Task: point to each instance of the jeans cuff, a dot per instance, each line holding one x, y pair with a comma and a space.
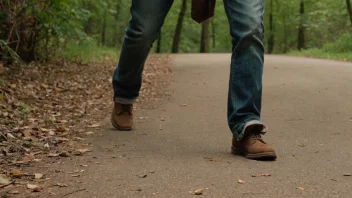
124, 100
243, 127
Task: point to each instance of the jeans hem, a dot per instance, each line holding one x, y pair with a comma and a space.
124, 100
240, 132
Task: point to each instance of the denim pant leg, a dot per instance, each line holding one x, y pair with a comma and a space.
245, 85
147, 18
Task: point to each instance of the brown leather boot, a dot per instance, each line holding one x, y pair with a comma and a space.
252, 146
122, 117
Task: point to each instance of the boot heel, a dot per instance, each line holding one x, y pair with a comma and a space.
236, 151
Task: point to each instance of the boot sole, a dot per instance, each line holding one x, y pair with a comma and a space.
257, 156
116, 126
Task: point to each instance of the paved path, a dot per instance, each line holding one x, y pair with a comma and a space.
307, 106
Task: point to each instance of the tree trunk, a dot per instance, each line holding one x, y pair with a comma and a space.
89, 23
116, 38
349, 8
177, 35
301, 27
103, 29
285, 34
204, 46
271, 36
213, 32
158, 46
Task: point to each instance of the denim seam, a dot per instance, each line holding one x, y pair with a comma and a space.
239, 132
125, 100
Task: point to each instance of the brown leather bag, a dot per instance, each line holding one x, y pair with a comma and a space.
202, 10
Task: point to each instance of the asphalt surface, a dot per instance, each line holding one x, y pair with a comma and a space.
184, 144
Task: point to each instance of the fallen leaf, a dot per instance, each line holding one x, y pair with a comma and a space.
16, 173
51, 133
300, 188
197, 192
15, 192
137, 189
240, 181
153, 171
2, 138
61, 185
142, 176
75, 175
81, 151
94, 126
46, 146
34, 188
261, 175
10, 136
347, 174
4, 180
38, 176
61, 129
53, 155
64, 154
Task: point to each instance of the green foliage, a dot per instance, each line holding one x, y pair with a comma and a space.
88, 52
35, 29
78, 30
340, 49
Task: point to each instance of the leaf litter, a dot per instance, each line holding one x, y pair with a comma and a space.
45, 108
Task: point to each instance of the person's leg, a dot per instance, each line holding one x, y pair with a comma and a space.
245, 85
147, 18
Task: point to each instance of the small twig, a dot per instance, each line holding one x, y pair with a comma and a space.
3, 186
70, 193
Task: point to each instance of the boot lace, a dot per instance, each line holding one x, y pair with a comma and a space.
256, 138
126, 108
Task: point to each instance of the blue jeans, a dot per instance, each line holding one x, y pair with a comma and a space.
245, 85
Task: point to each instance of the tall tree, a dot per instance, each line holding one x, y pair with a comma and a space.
301, 27
158, 45
271, 36
349, 8
213, 32
116, 17
104, 27
177, 35
204, 43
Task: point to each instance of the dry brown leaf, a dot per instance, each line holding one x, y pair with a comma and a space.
197, 192
261, 175
142, 176
53, 155
34, 188
81, 151
61, 185
51, 133
62, 129
14, 192
16, 173
4, 180
64, 154
300, 188
94, 126
240, 181
38, 176
347, 174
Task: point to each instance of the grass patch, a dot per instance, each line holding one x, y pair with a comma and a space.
341, 49
321, 53
87, 52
